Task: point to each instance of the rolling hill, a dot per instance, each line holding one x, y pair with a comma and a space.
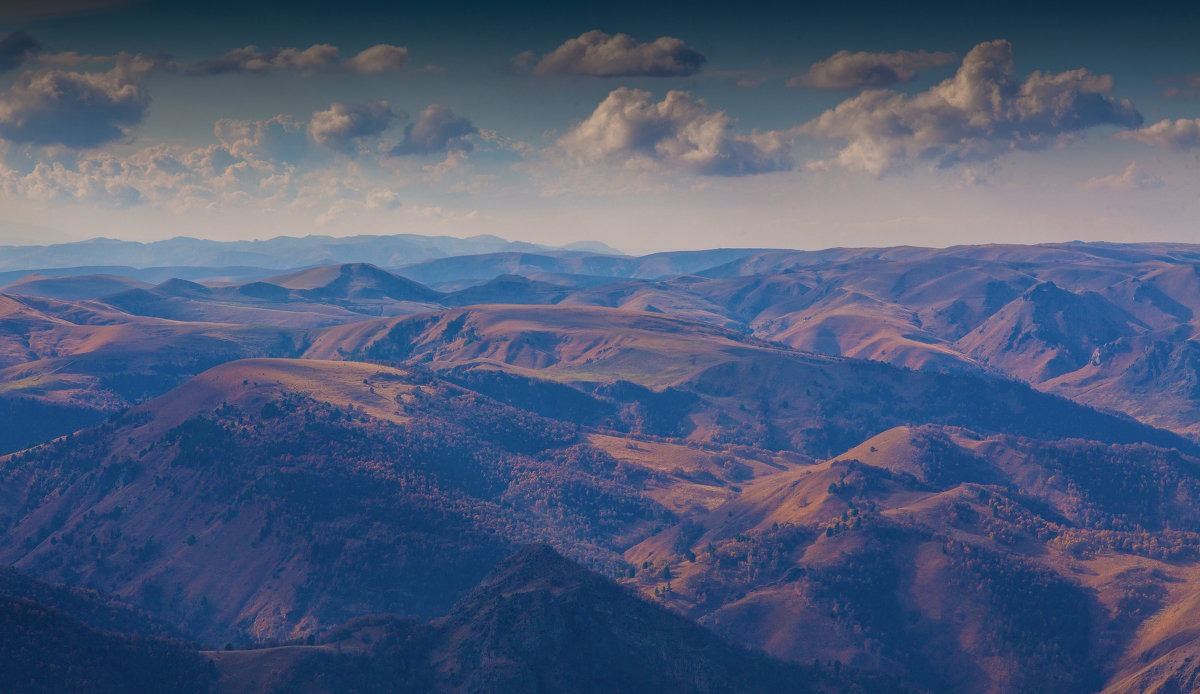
72, 287
269, 464
717, 385
971, 469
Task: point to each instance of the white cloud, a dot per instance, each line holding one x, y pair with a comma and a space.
846, 70
980, 113
379, 58
597, 54
1133, 178
1170, 135
342, 125
628, 128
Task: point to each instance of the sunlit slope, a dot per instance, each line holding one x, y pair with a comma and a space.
965, 562
720, 385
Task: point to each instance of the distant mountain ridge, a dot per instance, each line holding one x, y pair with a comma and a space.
282, 252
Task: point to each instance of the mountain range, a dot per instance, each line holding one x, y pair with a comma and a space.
972, 469
278, 252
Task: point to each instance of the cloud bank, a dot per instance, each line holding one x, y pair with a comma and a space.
980, 113
272, 162
597, 54
322, 56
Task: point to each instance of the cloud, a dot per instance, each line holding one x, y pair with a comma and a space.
597, 54
322, 56
1167, 134
252, 59
268, 164
16, 48
846, 70
979, 114
19, 48
379, 58
628, 128
437, 129
55, 107
253, 162
382, 199
342, 125
179, 177
278, 139
1133, 178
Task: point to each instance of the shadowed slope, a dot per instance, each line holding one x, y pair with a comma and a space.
539, 623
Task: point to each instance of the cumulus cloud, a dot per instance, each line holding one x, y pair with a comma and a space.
846, 70
978, 114
322, 56
629, 128
379, 58
343, 125
437, 129
56, 107
1170, 135
597, 54
1133, 178
16, 48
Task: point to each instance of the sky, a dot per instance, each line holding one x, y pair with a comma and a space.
647, 126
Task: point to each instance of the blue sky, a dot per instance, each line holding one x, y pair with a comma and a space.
645, 126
